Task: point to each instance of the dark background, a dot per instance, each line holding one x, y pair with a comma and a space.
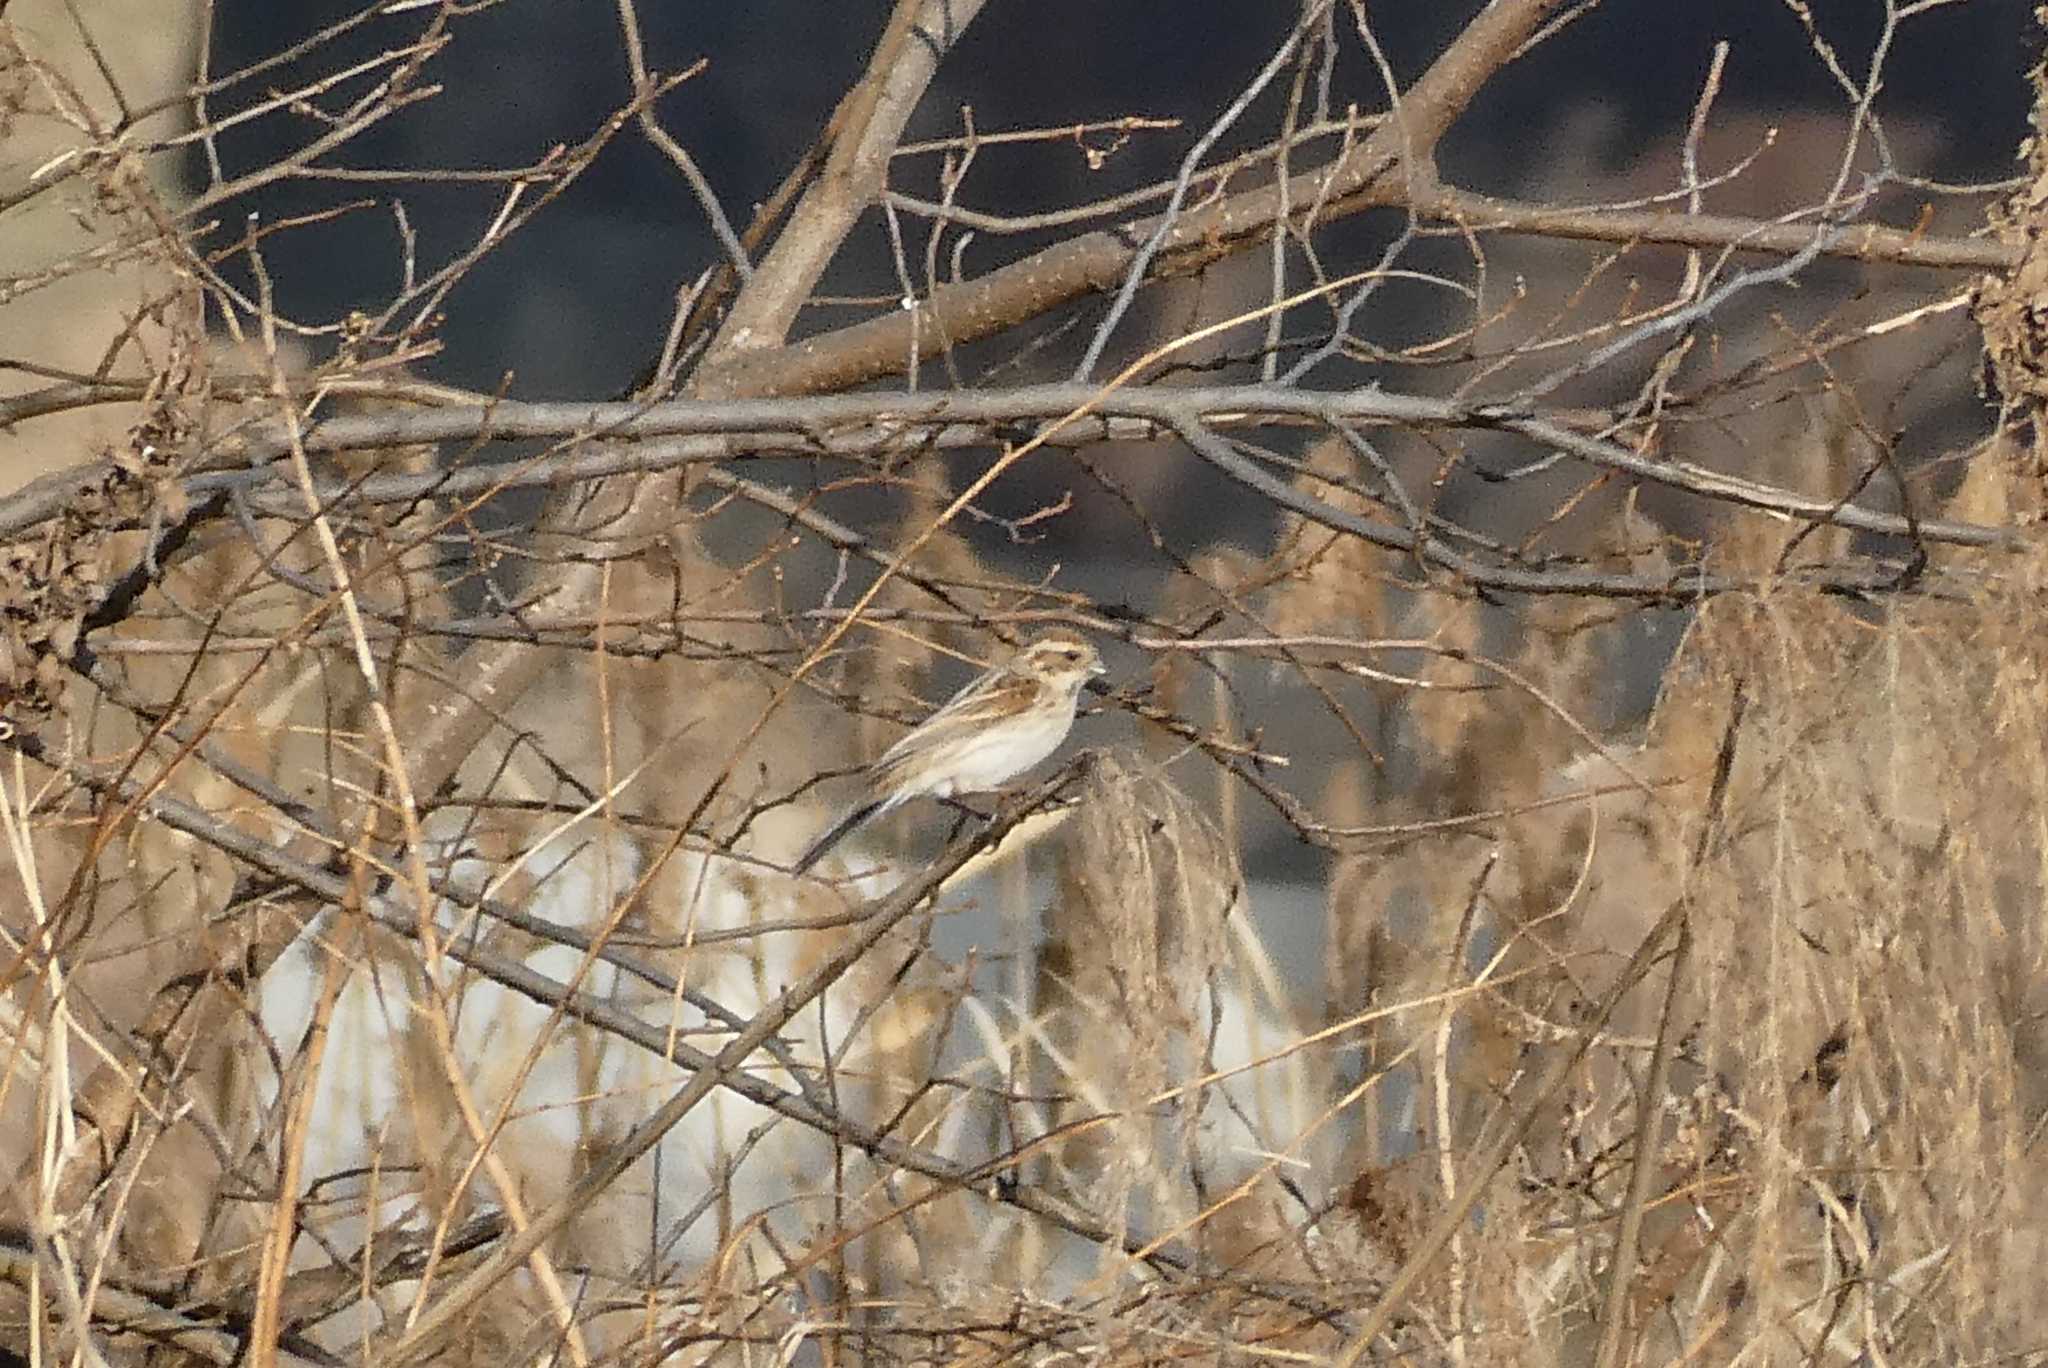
575, 305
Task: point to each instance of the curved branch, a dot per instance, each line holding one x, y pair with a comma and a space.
856, 424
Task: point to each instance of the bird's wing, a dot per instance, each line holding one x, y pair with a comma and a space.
954, 707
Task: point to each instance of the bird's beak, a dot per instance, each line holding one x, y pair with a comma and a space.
1098, 669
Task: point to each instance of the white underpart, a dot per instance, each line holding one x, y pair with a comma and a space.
991, 761
996, 756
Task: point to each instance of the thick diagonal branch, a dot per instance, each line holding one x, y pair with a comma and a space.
920, 33
1096, 262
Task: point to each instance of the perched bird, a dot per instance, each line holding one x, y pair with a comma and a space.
1008, 719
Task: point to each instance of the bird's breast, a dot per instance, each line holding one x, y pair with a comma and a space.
992, 760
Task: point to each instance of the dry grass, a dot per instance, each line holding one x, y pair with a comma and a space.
1837, 1154
1714, 1040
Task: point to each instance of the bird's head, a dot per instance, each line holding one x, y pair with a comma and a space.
1061, 660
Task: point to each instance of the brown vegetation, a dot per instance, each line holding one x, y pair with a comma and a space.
1634, 663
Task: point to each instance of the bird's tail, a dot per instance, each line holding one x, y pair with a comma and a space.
838, 831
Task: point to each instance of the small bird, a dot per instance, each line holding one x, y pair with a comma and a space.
1005, 721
